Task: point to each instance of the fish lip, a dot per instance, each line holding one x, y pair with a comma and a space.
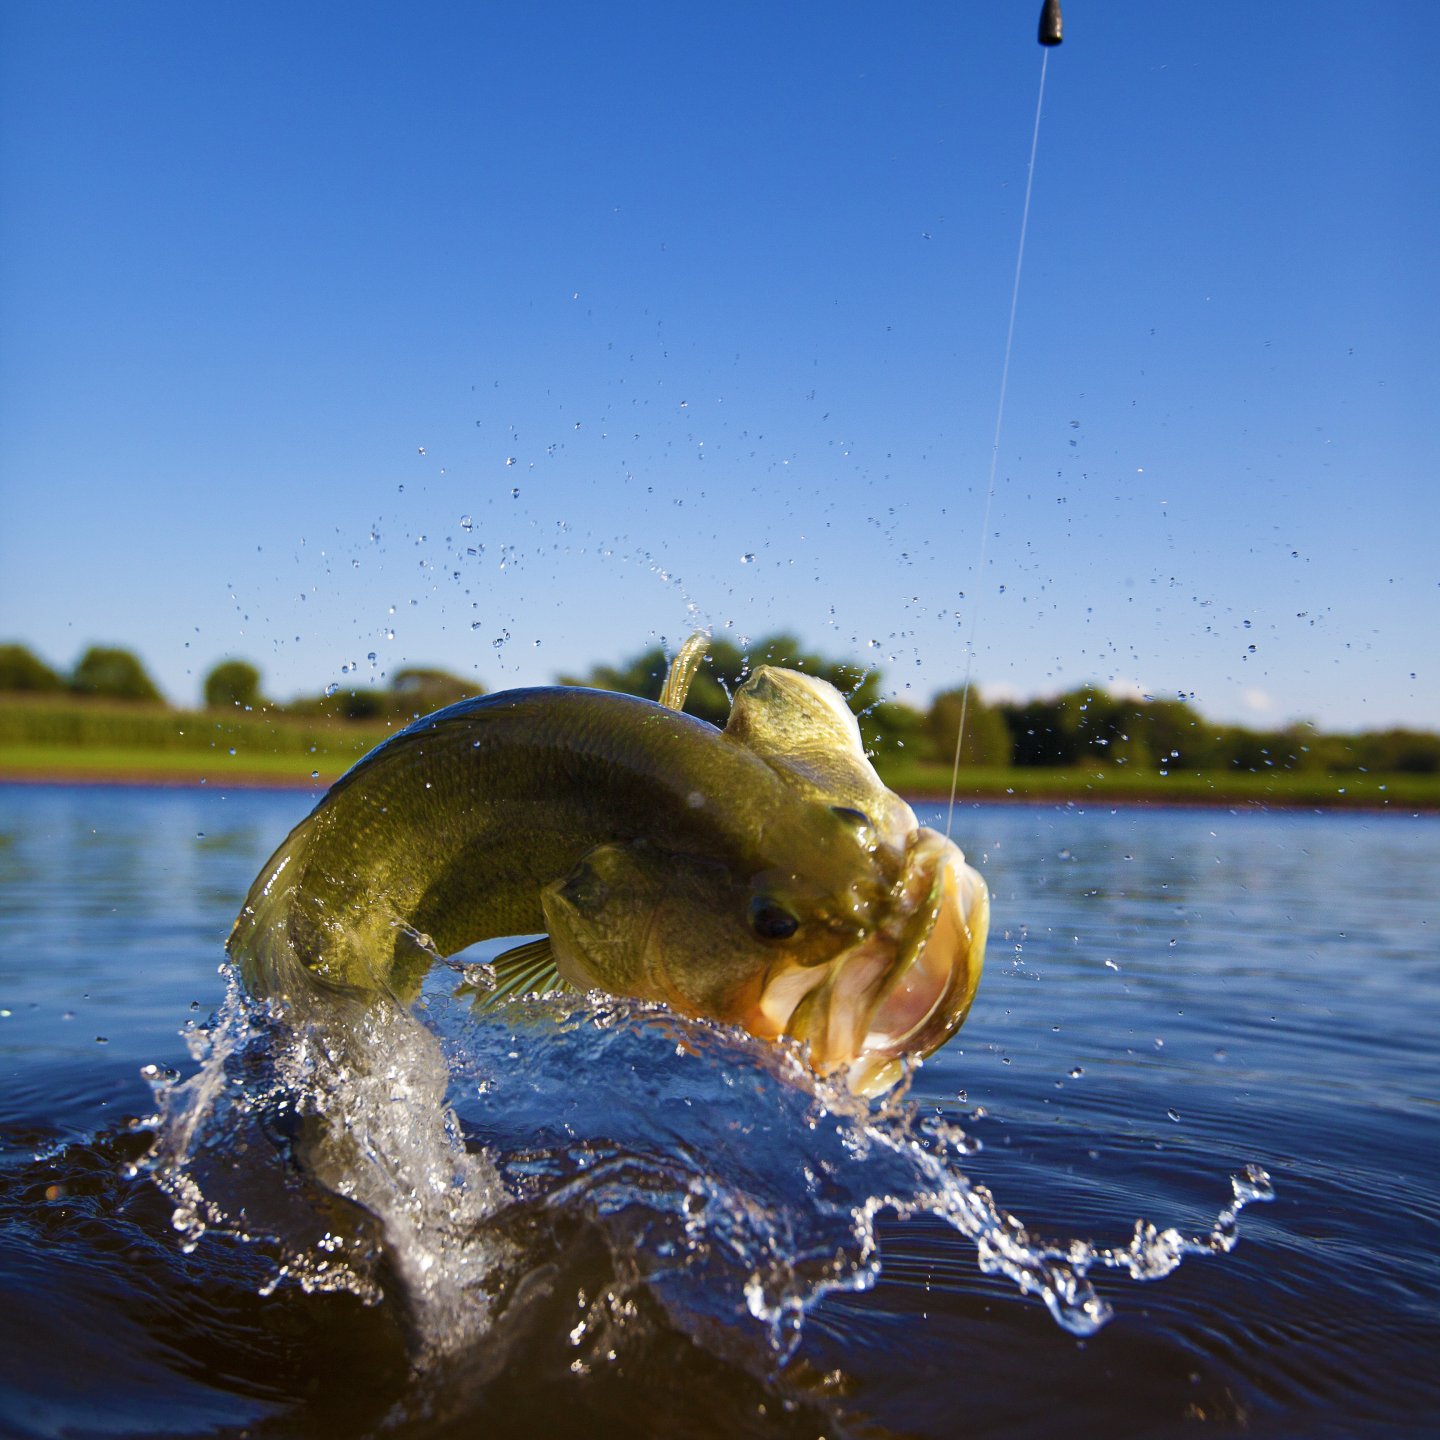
929, 988
903, 990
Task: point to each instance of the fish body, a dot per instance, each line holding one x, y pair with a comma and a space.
759, 875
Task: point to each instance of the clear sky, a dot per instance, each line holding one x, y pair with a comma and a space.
511, 337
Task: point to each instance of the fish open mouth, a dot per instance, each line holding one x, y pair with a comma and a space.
903, 991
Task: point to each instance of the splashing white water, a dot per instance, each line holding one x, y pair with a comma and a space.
727, 1180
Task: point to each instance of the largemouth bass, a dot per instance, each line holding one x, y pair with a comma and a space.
760, 875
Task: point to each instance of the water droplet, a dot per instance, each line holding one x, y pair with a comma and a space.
748, 558
466, 523
332, 688
1076, 1072
1174, 1115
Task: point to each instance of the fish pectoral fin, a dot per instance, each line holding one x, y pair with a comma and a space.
525, 969
682, 671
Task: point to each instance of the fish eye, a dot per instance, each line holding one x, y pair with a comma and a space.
855, 817
770, 920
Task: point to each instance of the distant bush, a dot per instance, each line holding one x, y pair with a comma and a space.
418, 690
415, 690
1396, 752
22, 670
987, 737
892, 729
233, 684
115, 674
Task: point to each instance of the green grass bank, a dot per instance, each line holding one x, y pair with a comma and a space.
77, 742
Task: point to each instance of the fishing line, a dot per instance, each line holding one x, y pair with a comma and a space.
999, 424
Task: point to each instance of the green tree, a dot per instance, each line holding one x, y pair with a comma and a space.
113, 673
413, 691
22, 669
891, 727
233, 683
1410, 752
1176, 735
987, 736
1088, 725
1057, 731
417, 689
1257, 751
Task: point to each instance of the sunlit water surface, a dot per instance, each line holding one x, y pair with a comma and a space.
599, 1218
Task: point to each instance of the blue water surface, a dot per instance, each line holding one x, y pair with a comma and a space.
1170, 995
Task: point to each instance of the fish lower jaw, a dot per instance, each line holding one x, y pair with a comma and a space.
933, 985
902, 992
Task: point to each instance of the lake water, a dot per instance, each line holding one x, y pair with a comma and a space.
623, 1225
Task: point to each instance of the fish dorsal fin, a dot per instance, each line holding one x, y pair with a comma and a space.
522, 970
803, 729
796, 721
682, 671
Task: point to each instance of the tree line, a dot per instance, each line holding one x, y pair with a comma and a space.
107, 672
1084, 727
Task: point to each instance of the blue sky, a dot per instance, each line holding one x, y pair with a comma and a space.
512, 337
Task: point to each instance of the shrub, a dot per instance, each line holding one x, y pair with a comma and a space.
117, 674
233, 683
22, 669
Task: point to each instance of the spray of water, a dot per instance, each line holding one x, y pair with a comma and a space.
729, 1183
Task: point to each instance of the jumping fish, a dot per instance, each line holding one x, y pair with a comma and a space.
760, 875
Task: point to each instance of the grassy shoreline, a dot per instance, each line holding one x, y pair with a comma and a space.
315, 768
69, 741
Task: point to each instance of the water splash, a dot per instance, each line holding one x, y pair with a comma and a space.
727, 1183
335, 1142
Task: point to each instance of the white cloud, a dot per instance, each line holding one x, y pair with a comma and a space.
1000, 693
1123, 689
